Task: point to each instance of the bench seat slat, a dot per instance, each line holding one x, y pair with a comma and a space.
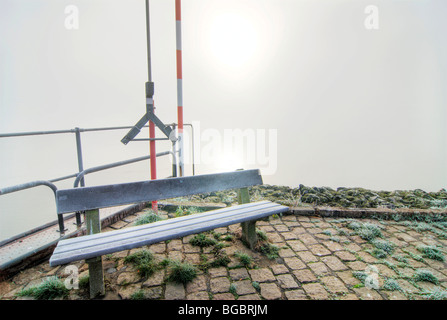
115, 241
99, 239
65, 244
152, 228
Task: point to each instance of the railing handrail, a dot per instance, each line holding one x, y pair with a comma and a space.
79, 176
35, 133
28, 185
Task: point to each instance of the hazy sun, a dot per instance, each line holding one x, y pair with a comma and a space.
233, 39
229, 162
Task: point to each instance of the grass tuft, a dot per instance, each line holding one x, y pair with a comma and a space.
202, 240
431, 252
233, 290
369, 231
147, 217
244, 258
354, 225
360, 275
270, 251
138, 295
182, 272
49, 289
144, 262
379, 253
261, 235
180, 211
435, 294
391, 285
386, 246
425, 275
221, 260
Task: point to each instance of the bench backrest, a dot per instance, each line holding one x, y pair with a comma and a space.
88, 198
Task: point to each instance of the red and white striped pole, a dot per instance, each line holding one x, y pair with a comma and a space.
150, 105
178, 32
153, 158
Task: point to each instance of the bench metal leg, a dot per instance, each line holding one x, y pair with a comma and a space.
249, 236
95, 270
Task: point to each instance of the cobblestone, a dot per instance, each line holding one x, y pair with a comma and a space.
262, 275
270, 291
311, 265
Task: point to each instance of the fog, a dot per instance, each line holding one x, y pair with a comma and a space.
316, 97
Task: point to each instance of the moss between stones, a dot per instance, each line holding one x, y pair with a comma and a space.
341, 197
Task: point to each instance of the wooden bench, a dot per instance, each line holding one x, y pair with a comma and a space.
95, 244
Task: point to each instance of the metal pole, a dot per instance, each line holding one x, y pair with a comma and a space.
150, 104
192, 148
174, 158
178, 32
148, 35
80, 167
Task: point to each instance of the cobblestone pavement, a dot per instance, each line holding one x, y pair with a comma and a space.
319, 258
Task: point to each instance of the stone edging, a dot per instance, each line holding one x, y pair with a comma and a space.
364, 212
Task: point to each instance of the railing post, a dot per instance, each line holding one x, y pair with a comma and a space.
60, 220
80, 167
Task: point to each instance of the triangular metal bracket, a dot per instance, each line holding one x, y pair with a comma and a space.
149, 116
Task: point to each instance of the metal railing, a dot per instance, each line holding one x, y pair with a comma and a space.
79, 176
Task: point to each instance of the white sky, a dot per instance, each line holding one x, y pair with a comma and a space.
351, 106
